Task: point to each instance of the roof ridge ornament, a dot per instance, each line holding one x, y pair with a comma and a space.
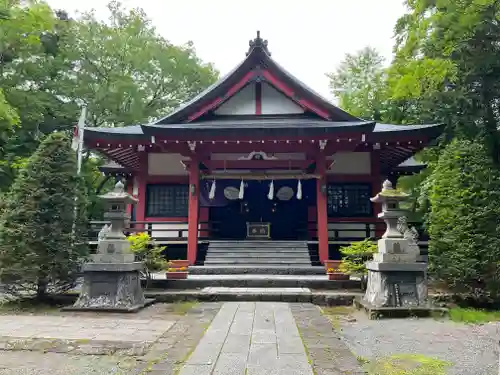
258, 42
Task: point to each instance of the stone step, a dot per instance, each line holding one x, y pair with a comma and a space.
257, 255
270, 261
259, 249
328, 298
257, 244
256, 281
261, 269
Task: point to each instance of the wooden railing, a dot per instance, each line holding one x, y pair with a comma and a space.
160, 231
172, 231
349, 231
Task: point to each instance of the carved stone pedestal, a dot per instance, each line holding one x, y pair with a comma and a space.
114, 287
396, 285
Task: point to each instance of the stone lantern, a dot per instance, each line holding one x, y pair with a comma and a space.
395, 278
112, 279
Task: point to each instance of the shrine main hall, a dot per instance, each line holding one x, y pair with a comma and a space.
258, 156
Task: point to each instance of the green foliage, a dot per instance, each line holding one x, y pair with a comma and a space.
50, 64
359, 84
447, 64
464, 246
356, 255
43, 223
408, 364
127, 72
146, 251
473, 316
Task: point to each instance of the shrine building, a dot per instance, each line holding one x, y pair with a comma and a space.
259, 155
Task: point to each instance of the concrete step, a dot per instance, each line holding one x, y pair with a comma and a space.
261, 269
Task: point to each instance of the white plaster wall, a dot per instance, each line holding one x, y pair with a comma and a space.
352, 230
275, 103
278, 155
243, 103
159, 230
166, 164
350, 163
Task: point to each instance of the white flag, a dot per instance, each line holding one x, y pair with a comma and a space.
77, 143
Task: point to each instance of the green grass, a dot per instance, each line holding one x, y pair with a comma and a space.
470, 315
408, 364
336, 313
181, 308
28, 306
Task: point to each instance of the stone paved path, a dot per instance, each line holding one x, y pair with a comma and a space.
250, 339
69, 328
107, 344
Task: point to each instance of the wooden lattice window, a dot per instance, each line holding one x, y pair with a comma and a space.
167, 200
349, 200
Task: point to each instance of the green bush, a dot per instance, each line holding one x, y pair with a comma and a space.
146, 251
464, 229
43, 223
356, 255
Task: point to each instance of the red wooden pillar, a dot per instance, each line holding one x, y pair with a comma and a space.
376, 187
193, 213
142, 181
321, 205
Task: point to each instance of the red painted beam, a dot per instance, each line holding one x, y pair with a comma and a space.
256, 164
304, 103
215, 103
258, 98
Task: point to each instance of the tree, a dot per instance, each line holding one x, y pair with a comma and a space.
464, 246
447, 65
42, 232
50, 65
30, 72
126, 72
359, 84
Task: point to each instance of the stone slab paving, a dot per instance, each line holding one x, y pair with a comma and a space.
248, 338
67, 327
173, 338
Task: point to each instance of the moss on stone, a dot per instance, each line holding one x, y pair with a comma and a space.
408, 364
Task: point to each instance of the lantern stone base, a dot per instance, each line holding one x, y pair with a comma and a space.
113, 287
396, 286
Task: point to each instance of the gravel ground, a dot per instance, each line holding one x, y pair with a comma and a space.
472, 349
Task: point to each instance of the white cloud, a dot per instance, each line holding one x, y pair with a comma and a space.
308, 38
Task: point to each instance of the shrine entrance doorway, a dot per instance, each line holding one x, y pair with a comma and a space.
285, 215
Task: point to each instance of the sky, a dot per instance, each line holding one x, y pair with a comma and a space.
308, 38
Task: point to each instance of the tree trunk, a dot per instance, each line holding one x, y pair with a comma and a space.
41, 290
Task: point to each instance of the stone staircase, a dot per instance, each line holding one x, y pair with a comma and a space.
293, 254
